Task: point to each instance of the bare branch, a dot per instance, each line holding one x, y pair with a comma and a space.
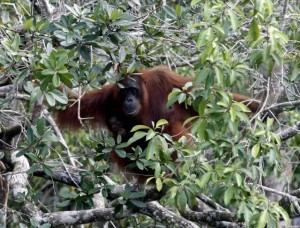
72, 177
161, 214
18, 181
16, 96
290, 132
185, 62
48, 7
212, 203
9, 88
212, 217
291, 198
275, 109
80, 217
4, 190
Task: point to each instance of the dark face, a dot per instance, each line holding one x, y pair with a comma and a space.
116, 126
131, 97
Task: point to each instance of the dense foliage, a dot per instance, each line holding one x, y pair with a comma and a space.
251, 47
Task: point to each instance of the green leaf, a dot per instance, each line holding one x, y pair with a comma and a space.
73, 11
295, 73
241, 106
219, 76
150, 134
270, 122
260, 132
228, 170
48, 170
228, 195
160, 123
131, 68
32, 169
28, 24
136, 195
173, 191
121, 153
195, 2
20, 78
233, 19
79, 26
122, 54
137, 136
284, 214
158, 184
114, 14
263, 219
49, 63
139, 127
50, 99
93, 191
33, 157
138, 203
66, 79
204, 180
48, 72
181, 200
201, 108
178, 10
56, 80
85, 52
59, 96
157, 170
63, 59
172, 98
151, 148
254, 31
232, 113
181, 98
30, 136
40, 125
239, 179
255, 150
16, 43
49, 136
201, 131
45, 225
170, 11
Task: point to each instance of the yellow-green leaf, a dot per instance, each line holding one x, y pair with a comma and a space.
263, 219
158, 184
255, 150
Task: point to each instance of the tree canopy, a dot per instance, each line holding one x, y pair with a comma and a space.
240, 170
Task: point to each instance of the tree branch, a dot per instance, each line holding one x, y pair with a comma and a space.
161, 214
48, 7
278, 108
290, 132
214, 218
61, 175
212, 203
19, 178
80, 217
4, 190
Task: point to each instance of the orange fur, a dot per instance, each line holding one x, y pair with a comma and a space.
155, 84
